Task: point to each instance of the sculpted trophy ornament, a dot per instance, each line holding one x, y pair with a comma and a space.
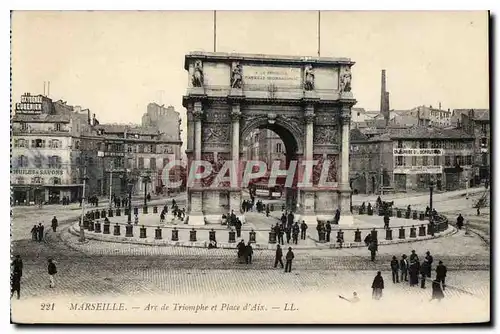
345, 81
308, 78
236, 76
197, 78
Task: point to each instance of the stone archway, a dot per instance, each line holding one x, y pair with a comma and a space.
307, 101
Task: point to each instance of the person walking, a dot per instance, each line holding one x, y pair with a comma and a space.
52, 270
295, 233
34, 233
248, 253
279, 232
40, 231
54, 224
460, 221
395, 270
288, 231
424, 269
403, 266
373, 249
278, 257
289, 258
441, 273
429, 259
328, 228
377, 286
17, 273
303, 229
413, 271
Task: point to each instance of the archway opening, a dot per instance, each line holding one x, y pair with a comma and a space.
274, 145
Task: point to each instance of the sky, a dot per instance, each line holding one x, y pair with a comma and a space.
115, 63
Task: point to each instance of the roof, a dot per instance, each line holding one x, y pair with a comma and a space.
41, 118
131, 129
357, 135
420, 132
479, 114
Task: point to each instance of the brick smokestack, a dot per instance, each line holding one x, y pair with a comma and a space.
384, 99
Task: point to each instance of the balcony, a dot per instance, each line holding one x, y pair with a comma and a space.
18, 131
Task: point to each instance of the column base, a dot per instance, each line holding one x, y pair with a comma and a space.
213, 219
326, 217
196, 219
346, 220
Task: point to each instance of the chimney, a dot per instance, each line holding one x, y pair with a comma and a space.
382, 93
88, 117
439, 105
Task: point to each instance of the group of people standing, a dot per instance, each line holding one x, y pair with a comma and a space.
37, 232
178, 213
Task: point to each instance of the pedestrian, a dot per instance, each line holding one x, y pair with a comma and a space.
288, 230
162, 216
241, 251
441, 273
267, 210
460, 221
386, 221
34, 233
429, 259
52, 270
414, 256
289, 258
413, 271
437, 292
403, 266
237, 225
395, 270
303, 229
40, 231
295, 233
17, 273
424, 268
377, 286
280, 232
54, 223
248, 253
278, 257
328, 228
337, 217
373, 249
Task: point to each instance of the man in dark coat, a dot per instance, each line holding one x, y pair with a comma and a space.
290, 218
54, 223
283, 218
295, 233
386, 221
377, 286
248, 253
17, 273
40, 232
328, 228
373, 249
238, 228
241, 250
395, 270
429, 259
368, 239
403, 265
337, 217
441, 273
460, 221
278, 257
34, 233
279, 232
289, 258
267, 210
52, 270
303, 229
414, 256
288, 231
413, 271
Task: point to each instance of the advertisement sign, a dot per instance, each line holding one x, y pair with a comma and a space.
418, 170
417, 152
30, 104
37, 171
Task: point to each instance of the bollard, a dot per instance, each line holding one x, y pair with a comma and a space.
116, 230
413, 232
155, 209
232, 237
136, 211
211, 235
357, 235
252, 237
142, 232
388, 234
401, 232
91, 226
407, 214
97, 214
421, 216
272, 237
118, 212
158, 233
175, 234
399, 214
322, 236
145, 210
106, 228
103, 213
110, 213
370, 211
97, 227
415, 215
85, 224
192, 235
126, 211
129, 230
374, 233
421, 231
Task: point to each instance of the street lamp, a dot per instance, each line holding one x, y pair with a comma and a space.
130, 186
82, 230
146, 178
431, 189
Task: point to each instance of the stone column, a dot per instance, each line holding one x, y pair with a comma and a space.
235, 192
195, 216
344, 191
307, 208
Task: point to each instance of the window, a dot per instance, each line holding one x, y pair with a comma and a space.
165, 162
413, 161
152, 163
130, 163
56, 180
399, 161
447, 160
140, 148
152, 148
22, 161
39, 143
400, 144
129, 148
36, 180
437, 160
118, 162
279, 148
77, 145
24, 126
484, 128
425, 161
140, 163
413, 144
91, 161
38, 162
484, 142
423, 144
20, 180
55, 162
58, 126
55, 143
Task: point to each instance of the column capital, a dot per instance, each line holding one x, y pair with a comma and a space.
345, 115
309, 117
197, 115
235, 112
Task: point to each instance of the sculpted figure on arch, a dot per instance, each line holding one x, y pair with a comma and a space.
345, 80
308, 77
198, 74
236, 76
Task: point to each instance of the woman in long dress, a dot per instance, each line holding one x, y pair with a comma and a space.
377, 286
413, 273
437, 291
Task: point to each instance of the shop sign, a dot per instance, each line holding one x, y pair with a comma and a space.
37, 171
418, 170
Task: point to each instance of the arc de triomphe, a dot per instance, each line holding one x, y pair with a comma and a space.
307, 101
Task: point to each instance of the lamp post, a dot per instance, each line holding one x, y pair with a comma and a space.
146, 178
130, 186
431, 189
82, 230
